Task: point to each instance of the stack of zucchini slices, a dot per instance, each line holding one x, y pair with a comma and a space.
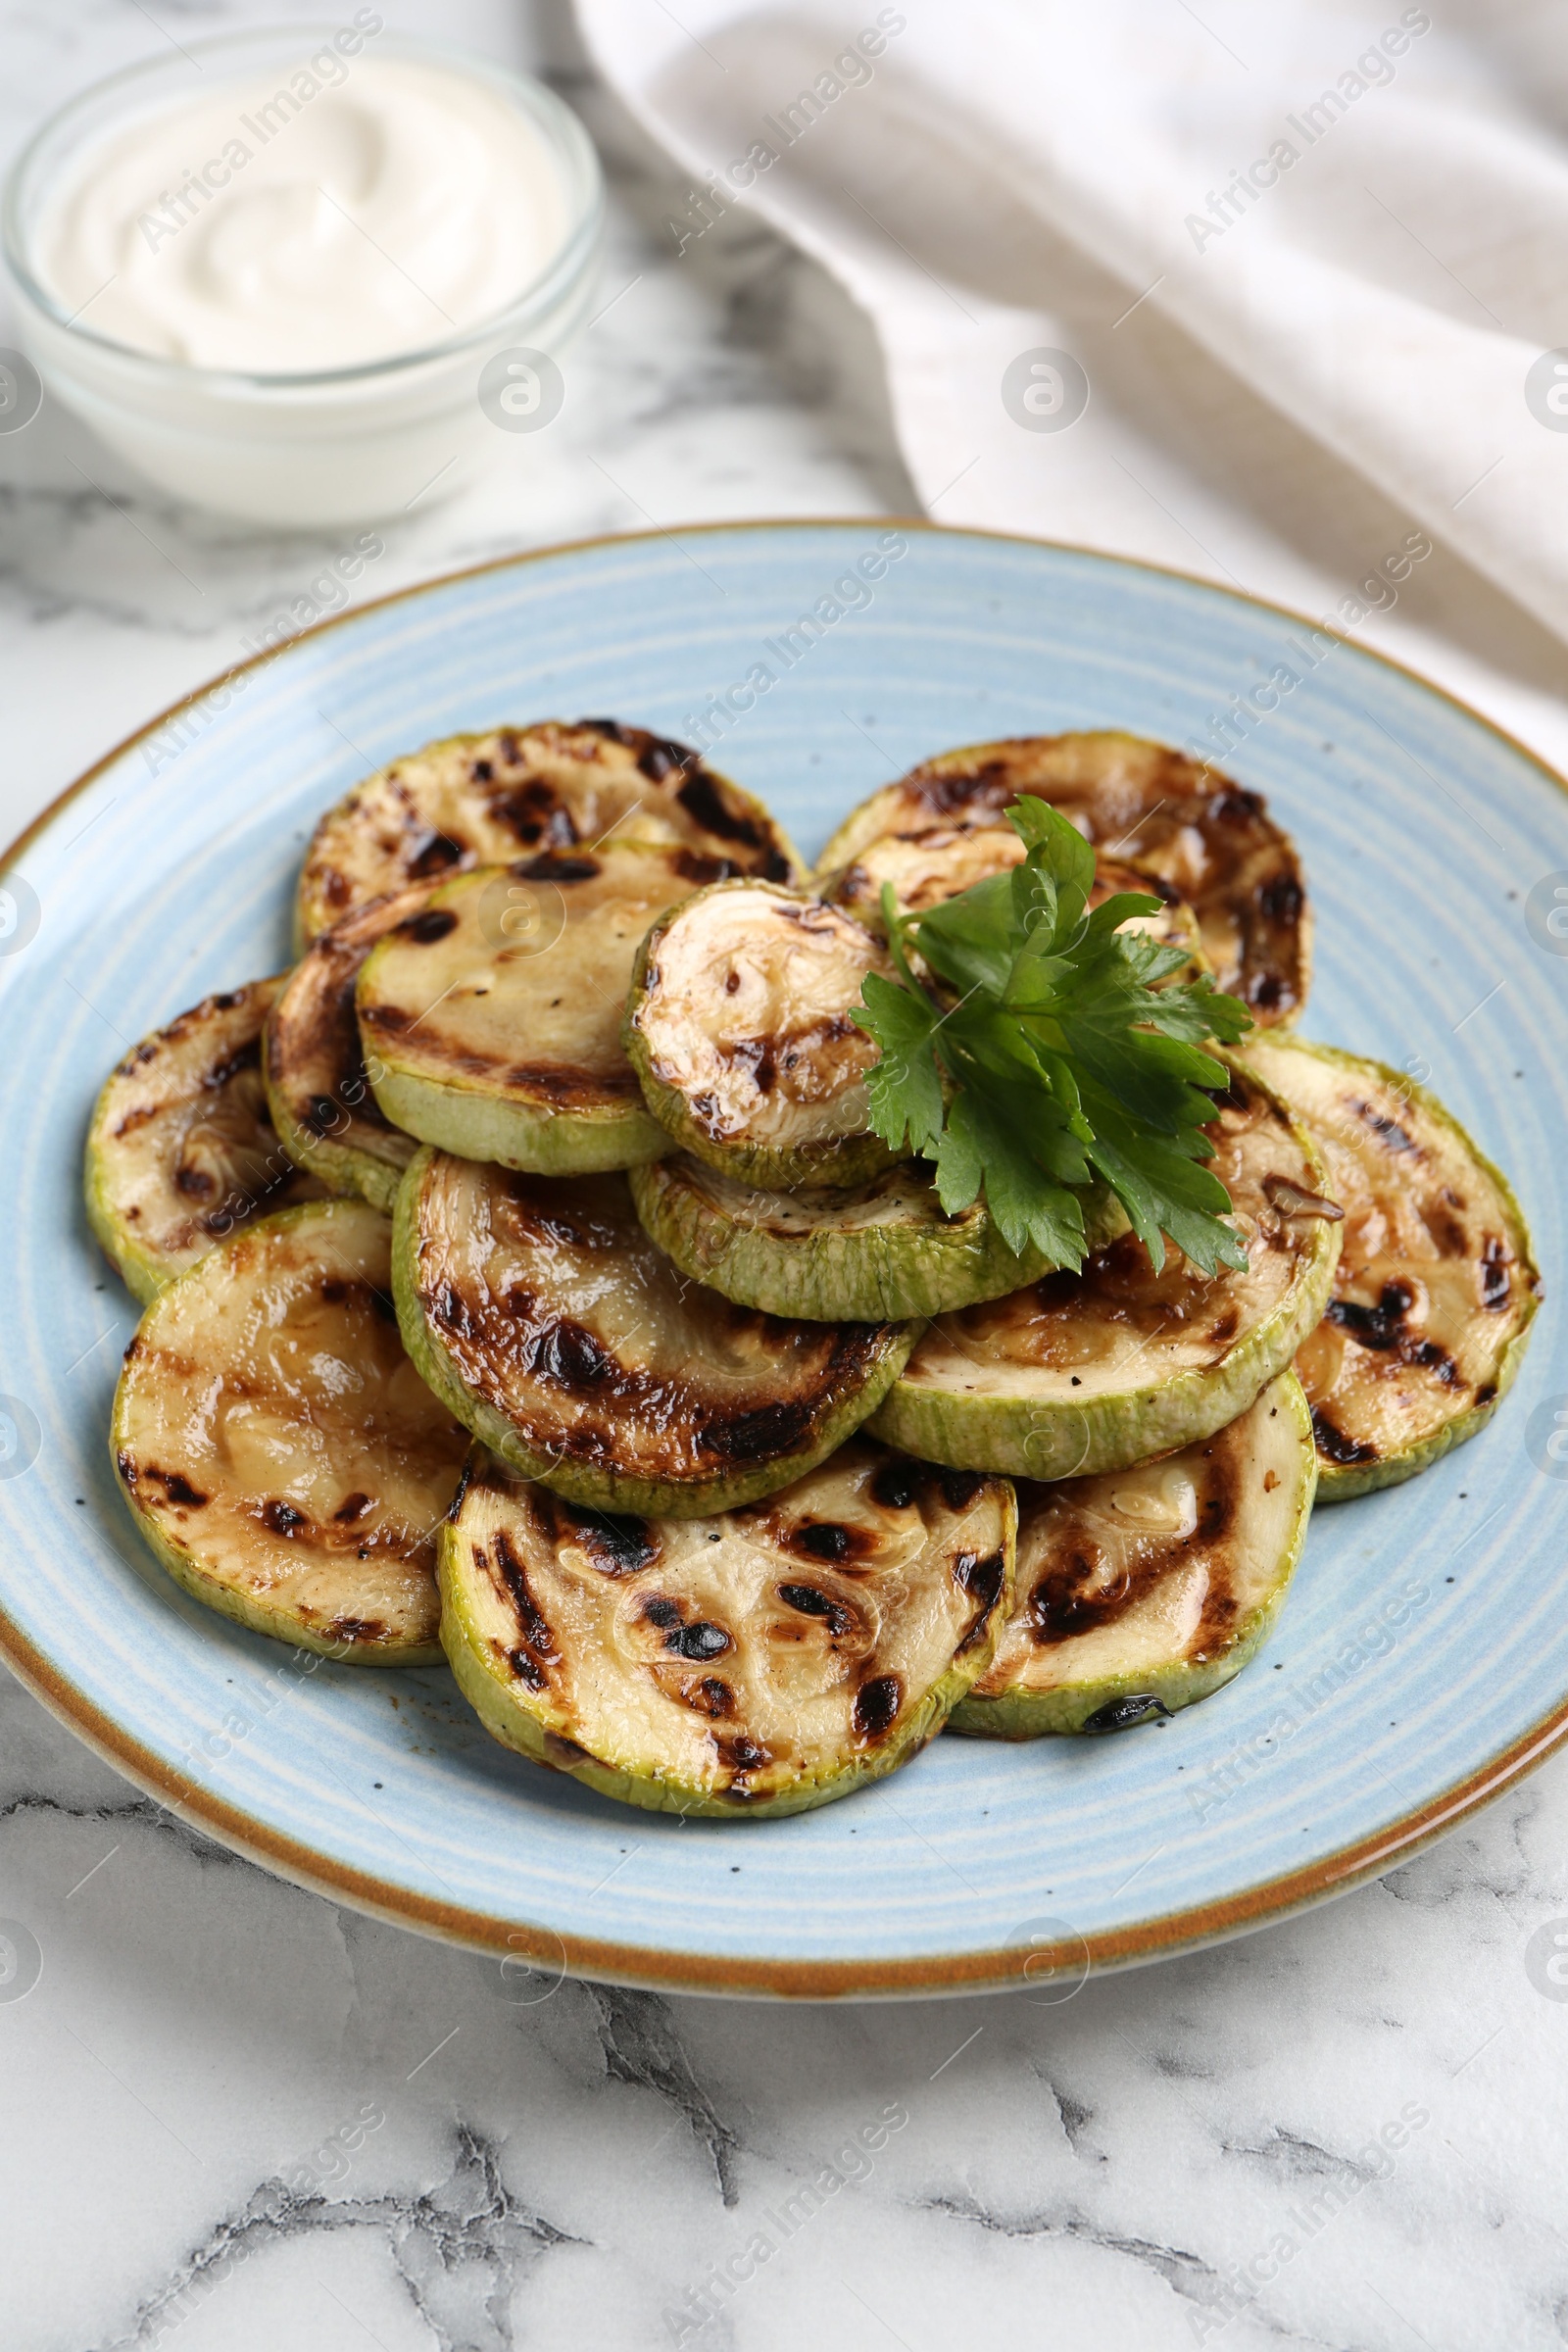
524, 1284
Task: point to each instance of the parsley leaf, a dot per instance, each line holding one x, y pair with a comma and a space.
1046, 1056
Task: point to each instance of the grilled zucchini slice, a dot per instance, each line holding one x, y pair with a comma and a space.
740, 1667
491, 1016
317, 1087
740, 1024
1435, 1288
1147, 1589
926, 868
278, 1450
180, 1149
487, 800
1093, 1371
885, 1251
544, 1316
1213, 840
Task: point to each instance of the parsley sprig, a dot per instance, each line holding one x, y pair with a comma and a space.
1055, 1059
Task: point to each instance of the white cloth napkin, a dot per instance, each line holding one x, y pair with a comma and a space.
1136, 264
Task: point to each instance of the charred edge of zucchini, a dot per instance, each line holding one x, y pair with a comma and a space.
1074, 1707
1058, 1438
347, 1171
842, 1160
311, 1139
1343, 1482
599, 1485
551, 1745
872, 1274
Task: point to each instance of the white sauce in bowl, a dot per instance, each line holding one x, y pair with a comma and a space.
346, 209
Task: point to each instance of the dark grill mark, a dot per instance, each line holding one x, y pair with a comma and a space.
526, 1668
617, 1547
1120, 1714
282, 1518
824, 1539
705, 806
386, 1017
230, 998
959, 1487
126, 1463
982, 1580
1282, 898
1495, 1285
694, 866
772, 1430
1389, 1133
741, 1756
1382, 1330
551, 867
539, 1643
711, 1698
352, 1508
439, 854
1335, 1446
320, 1116
564, 1753
425, 928
876, 1705
810, 1602
357, 1629
180, 1489
572, 1358
195, 1183
700, 1642
656, 1611
1376, 1327
896, 1484
483, 772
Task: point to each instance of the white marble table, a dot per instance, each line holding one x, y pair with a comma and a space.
237, 2117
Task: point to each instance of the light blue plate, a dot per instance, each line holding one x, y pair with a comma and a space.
1422, 1660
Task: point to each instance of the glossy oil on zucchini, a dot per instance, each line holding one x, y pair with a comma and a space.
740, 1026
1093, 1371
180, 1149
491, 799
740, 1666
276, 1448
491, 1017
1144, 1590
540, 1311
1146, 805
1435, 1288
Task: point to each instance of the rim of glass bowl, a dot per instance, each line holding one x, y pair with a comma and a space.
26, 185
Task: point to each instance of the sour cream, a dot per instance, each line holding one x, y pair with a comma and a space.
342, 209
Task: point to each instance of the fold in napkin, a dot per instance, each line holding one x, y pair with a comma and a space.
1115, 249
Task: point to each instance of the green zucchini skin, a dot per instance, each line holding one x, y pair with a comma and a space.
559, 1430
180, 1149
1069, 1418
285, 1326
486, 799
1236, 1580
879, 1254
700, 972
1381, 1415
318, 1089
741, 1735
510, 1052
